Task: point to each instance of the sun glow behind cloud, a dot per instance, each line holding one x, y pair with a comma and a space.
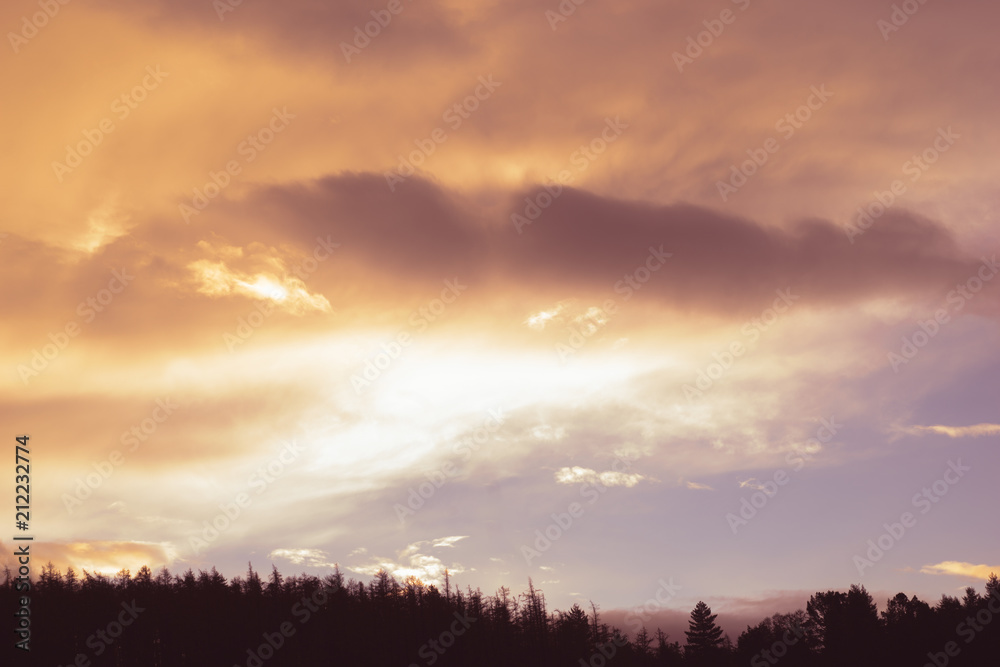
217, 280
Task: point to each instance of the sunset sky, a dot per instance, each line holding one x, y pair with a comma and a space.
400, 299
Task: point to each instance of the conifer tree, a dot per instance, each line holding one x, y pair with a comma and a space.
703, 634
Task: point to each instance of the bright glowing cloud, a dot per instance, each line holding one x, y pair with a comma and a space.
412, 562
576, 475
216, 279
960, 569
104, 557
539, 320
448, 541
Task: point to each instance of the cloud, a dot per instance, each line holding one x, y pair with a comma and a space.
395, 250
448, 541
309, 557
104, 225
412, 562
215, 278
104, 557
720, 263
975, 431
164, 336
699, 487
959, 569
539, 320
576, 474
324, 29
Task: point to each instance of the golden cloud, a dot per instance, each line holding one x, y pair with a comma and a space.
960, 569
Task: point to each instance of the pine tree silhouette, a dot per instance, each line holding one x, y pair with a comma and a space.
704, 637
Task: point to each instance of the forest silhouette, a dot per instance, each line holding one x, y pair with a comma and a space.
203, 619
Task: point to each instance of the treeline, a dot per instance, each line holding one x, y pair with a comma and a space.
203, 619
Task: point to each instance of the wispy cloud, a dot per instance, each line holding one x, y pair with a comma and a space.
448, 541
539, 320
411, 561
959, 569
308, 557
576, 474
975, 431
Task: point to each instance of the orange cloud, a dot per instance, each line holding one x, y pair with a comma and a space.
105, 557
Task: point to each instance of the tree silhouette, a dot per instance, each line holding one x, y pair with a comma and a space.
642, 643
194, 619
704, 637
845, 626
667, 653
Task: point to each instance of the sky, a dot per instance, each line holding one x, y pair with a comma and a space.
644, 300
